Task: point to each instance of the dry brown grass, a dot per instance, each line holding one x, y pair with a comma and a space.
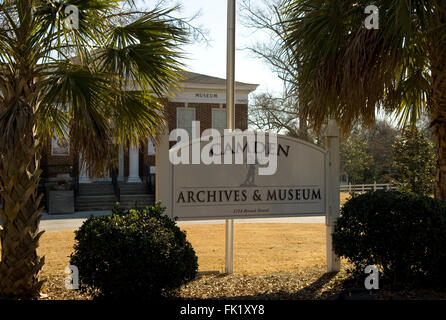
295, 250
56, 246
267, 256
344, 197
272, 261
258, 248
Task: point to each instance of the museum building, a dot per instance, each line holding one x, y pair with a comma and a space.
202, 98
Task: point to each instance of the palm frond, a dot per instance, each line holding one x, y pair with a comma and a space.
347, 72
105, 80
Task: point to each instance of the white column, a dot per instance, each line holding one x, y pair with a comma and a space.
332, 139
84, 177
121, 163
134, 165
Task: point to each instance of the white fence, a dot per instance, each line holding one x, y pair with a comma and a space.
361, 188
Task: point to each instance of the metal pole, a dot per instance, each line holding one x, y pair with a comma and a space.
332, 144
230, 67
230, 120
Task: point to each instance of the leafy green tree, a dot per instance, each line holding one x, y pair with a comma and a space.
346, 71
100, 69
414, 163
356, 162
380, 140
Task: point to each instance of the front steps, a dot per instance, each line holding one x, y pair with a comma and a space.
100, 196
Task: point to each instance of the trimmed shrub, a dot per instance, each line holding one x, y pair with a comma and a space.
135, 254
403, 234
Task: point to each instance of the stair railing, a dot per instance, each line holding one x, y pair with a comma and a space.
115, 183
149, 179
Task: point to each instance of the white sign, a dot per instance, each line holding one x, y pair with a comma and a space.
222, 191
204, 96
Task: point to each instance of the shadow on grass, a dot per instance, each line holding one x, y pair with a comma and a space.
316, 290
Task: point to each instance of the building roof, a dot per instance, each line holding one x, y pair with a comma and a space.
205, 79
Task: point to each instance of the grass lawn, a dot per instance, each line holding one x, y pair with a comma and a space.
258, 248
270, 259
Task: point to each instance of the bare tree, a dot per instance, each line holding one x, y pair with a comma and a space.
269, 111
281, 115
266, 17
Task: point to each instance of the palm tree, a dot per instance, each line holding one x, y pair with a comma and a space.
100, 69
348, 72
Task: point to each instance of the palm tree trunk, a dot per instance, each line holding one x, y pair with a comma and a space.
19, 177
438, 69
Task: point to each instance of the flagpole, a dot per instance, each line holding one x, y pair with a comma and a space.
230, 120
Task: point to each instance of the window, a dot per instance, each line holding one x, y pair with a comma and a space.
151, 148
219, 119
185, 116
60, 147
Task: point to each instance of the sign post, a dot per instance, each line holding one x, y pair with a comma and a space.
230, 120
332, 141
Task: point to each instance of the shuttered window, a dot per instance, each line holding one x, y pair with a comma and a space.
219, 119
185, 116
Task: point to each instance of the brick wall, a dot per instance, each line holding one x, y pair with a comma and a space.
203, 113
53, 165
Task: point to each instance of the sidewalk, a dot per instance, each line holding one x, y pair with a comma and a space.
74, 221
67, 221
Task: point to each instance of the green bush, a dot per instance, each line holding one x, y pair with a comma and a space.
403, 234
135, 254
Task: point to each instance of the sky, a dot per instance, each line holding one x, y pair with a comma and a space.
210, 59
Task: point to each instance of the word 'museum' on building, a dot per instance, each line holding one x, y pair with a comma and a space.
202, 98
